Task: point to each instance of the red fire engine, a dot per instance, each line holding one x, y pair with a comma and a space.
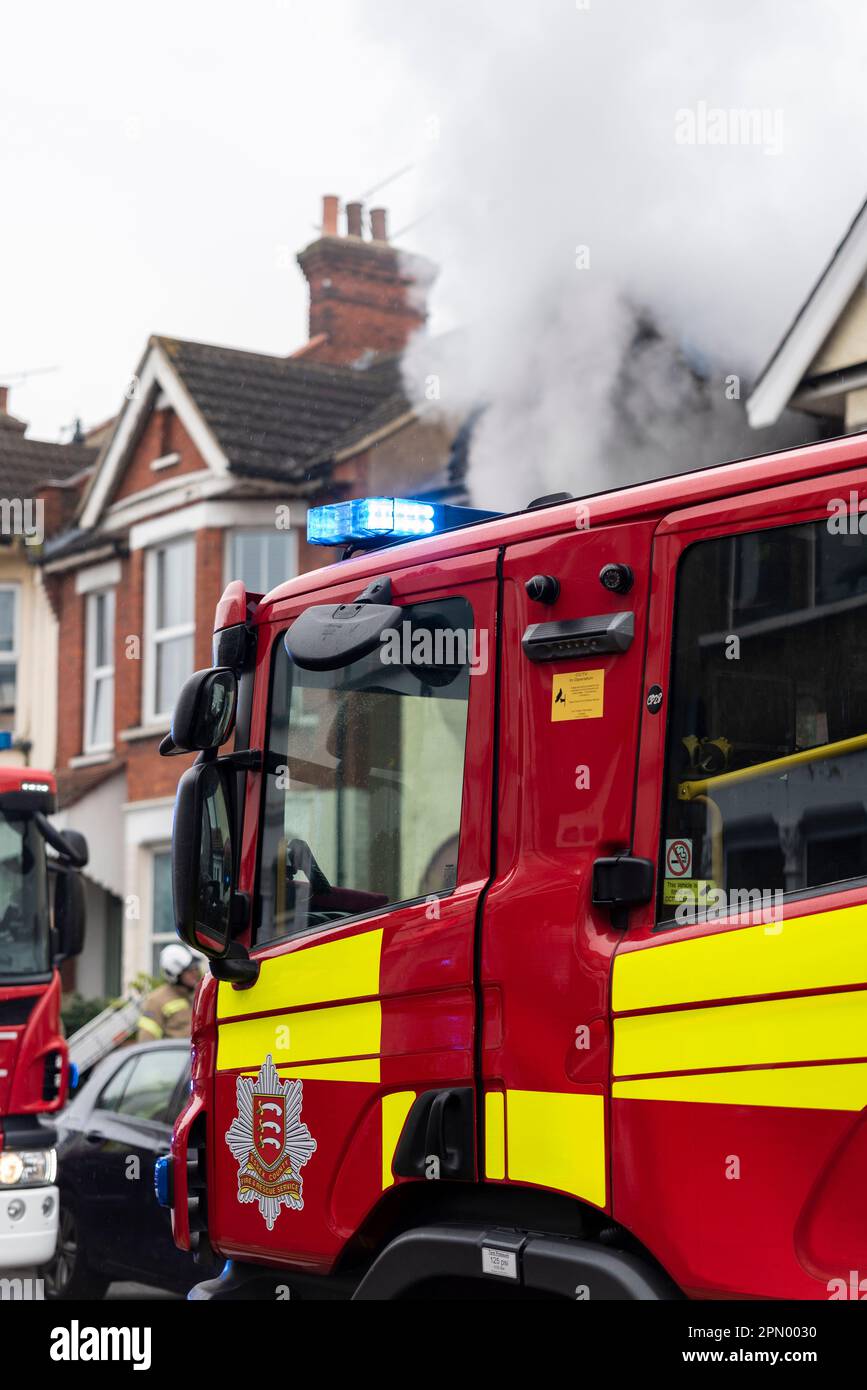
34, 1071
534, 890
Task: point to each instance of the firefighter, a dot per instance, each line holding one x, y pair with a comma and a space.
168, 1010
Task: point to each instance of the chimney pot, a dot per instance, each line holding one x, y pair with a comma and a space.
330, 205
379, 224
353, 219
4, 396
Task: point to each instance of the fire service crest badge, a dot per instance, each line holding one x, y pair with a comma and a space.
269, 1142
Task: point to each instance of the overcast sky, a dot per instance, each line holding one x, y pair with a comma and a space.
162, 164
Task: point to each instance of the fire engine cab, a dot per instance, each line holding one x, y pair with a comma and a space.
533, 884
36, 936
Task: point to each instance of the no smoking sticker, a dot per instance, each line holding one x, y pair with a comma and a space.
678, 859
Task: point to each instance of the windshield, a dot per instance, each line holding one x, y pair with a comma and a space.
24, 939
364, 789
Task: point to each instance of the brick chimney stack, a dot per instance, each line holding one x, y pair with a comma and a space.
7, 421
365, 295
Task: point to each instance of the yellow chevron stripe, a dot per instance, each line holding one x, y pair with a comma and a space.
344, 969
558, 1140
348, 1030
795, 1088
808, 1028
814, 952
495, 1134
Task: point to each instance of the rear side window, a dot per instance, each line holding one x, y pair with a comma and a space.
112, 1093
144, 1087
766, 772
149, 1091
366, 768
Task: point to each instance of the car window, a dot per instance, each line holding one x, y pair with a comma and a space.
112, 1093
150, 1089
181, 1095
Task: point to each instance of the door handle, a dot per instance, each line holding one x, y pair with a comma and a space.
94, 1136
440, 1124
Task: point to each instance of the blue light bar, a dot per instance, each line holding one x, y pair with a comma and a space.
371, 520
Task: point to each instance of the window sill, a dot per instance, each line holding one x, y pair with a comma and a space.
143, 731
92, 759
165, 461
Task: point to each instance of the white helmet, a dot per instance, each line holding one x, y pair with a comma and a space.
174, 960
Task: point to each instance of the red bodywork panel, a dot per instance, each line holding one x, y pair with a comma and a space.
520, 951
25, 1047
16, 779
30, 1013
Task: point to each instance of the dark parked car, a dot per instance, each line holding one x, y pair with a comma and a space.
111, 1225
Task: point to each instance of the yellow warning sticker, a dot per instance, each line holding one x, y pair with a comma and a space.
578, 695
686, 890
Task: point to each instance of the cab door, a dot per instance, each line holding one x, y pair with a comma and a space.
369, 852
569, 720
740, 993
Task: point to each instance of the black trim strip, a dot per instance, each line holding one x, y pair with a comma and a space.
478, 993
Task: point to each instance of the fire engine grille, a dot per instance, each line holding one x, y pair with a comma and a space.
51, 1076
17, 1010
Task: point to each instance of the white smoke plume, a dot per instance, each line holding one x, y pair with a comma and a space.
598, 165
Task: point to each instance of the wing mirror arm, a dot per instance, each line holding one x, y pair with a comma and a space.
236, 967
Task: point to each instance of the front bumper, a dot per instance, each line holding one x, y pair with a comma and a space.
31, 1239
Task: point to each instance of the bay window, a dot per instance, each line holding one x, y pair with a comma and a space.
10, 626
99, 672
170, 625
262, 559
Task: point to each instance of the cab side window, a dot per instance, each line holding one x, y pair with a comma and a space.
766, 768
364, 791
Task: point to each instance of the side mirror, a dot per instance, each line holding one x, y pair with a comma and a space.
204, 714
70, 845
203, 859
77, 850
69, 914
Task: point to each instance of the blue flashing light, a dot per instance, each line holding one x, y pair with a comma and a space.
163, 1180
370, 520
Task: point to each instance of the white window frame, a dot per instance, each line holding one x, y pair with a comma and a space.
156, 938
94, 674
290, 532
13, 658
154, 636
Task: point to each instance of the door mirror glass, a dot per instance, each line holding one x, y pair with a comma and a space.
69, 914
204, 715
203, 859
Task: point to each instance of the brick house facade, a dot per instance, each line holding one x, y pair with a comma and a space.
191, 489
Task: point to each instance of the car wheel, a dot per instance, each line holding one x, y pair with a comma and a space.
68, 1276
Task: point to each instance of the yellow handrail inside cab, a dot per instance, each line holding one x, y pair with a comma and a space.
688, 791
715, 822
